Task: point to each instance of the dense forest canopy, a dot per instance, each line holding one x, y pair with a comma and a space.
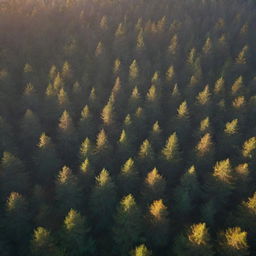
127, 127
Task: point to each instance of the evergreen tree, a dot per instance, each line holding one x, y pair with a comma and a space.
46, 161
171, 156
86, 124
86, 175
195, 242
86, 149
68, 193
103, 150
233, 242
182, 122
42, 243
76, 239
205, 151
128, 178
14, 176
17, 227
187, 194
128, 225
154, 187
103, 200
158, 224
141, 250
249, 148
67, 138
30, 130
146, 155
7, 142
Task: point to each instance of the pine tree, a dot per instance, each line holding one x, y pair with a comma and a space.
173, 46
249, 148
127, 225
103, 150
76, 239
7, 142
29, 137
241, 59
42, 243
86, 149
154, 187
141, 250
124, 145
187, 194
230, 140
219, 87
128, 178
86, 124
220, 185
245, 215
30, 97
158, 224
233, 242
67, 138
133, 73
205, 151
66, 71
152, 105
155, 136
103, 200
17, 227
195, 242
63, 100
46, 161
68, 193
86, 176
171, 156
182, 122
14, 176
237, 86
170, 75
108, 114
134, 100
146, 156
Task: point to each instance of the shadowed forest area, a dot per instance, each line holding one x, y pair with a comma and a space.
127, 128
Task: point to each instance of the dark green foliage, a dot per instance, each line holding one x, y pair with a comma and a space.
127, 229
13, 175
46, 161
75, 237
68, 192
103, 199
195, 242
148, 103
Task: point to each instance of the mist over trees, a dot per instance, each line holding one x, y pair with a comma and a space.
127, 127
